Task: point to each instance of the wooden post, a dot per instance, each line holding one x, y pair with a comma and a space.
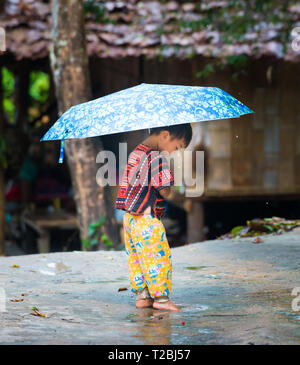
2, 182
44, 241
195, 217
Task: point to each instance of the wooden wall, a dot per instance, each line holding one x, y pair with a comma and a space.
255, 154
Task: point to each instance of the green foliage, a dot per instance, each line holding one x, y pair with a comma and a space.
8, 85
207, 70
8, 82
98, 10
159, 30
237, 61
95, 235
39, 86
236, 230
233, 21
106, 240
270, 228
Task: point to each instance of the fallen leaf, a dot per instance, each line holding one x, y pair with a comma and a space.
36, 312
15, 265
16, 300
122, 289
24, 294
258, 240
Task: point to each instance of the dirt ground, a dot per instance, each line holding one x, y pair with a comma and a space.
231, 292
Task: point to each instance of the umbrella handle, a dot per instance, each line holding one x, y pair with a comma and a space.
62, 147
61, 154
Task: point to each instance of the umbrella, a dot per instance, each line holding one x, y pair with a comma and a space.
144, 106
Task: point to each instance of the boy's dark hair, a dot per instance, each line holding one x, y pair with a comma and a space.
176, 131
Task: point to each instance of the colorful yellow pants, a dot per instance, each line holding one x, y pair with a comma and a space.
148, 254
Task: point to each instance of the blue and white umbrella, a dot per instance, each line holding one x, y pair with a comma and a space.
144, 106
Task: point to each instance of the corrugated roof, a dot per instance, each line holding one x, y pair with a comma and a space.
141, 28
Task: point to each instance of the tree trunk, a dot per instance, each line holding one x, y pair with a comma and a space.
69, 63
2, 184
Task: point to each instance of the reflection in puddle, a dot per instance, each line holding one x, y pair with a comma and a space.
195, 308
291, 315
46, 272
58, 266
204, 331
211, 276
95, 281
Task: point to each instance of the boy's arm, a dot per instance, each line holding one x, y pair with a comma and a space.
163, 177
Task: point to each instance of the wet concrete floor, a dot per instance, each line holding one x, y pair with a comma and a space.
231, 292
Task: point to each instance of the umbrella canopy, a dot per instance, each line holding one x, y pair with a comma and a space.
144, 106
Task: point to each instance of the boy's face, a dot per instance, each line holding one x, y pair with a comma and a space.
170, 144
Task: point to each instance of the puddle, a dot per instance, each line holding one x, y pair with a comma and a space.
46, 272
204, 331
130, 317
93, 281
211, 276
96, 281
291, 315
194, 308
58, 266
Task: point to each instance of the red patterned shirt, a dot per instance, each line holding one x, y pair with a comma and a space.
146, 173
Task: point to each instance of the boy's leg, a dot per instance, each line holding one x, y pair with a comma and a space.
154, 256
137, 280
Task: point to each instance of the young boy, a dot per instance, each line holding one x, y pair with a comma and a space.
144, 186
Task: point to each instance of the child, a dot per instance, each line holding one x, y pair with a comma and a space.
145, 185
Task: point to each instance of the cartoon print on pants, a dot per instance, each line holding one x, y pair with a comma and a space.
150, 256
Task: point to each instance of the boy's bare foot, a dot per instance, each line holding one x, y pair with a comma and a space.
144, 303
167, 306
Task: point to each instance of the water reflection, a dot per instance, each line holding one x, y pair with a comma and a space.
156, 330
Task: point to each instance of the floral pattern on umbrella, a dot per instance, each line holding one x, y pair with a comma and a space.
145, 106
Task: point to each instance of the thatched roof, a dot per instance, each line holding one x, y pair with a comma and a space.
141, 28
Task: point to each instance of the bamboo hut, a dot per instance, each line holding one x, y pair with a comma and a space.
253, 157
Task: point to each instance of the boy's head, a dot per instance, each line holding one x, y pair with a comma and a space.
172, 137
